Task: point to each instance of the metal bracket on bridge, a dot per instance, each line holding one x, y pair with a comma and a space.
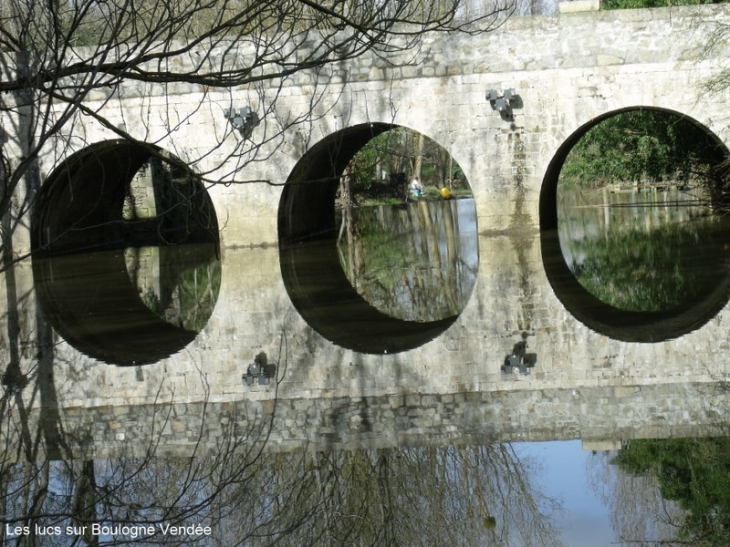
260, 370
504, 103
519, 359
244, 120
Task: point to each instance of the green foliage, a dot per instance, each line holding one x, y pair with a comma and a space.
364, 165
397, 152
432, 193
639, 271
642, 251
198, 293
412, 261
693, 472
640, 145
636, 4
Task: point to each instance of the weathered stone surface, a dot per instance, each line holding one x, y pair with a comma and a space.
567, 69
585, 384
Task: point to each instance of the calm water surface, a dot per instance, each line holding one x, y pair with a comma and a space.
417, 261
415, 264
643, 251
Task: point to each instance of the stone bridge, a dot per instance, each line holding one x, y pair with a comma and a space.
568, 71
598, 377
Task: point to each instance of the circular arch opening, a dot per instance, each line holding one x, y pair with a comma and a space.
312, 264
603, 314
125, 252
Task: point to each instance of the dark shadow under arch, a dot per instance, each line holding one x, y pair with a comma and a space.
314, 279
80, 205
100, 312
620, 324
79, 236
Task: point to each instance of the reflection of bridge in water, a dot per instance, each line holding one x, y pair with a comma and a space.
449, 387
452, 389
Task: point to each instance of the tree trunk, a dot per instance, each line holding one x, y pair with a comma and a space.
418, 159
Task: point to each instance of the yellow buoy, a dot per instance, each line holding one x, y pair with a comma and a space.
445, 193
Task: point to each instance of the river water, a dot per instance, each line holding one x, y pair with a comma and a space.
414, 469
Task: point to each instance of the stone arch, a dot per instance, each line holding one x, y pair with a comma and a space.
594, 313
79, 226
312, 274
83, 201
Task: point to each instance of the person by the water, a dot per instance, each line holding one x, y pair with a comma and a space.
416, 188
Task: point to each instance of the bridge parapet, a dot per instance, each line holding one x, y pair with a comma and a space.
598, 414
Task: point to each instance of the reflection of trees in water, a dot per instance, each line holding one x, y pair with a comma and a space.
668, 491
636, 509
461, 495
129, 495
454, 495
641, 251
693, 473
178, 283
416, 262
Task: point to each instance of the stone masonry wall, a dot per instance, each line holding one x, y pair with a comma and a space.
596, 415
568, 69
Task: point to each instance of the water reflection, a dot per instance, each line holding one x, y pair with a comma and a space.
133, 306
639, 267
643, 251
665, 491
414, 261
125, 252
420, 468
675, 488
415, 267
421, 475
451, 495
231, 492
